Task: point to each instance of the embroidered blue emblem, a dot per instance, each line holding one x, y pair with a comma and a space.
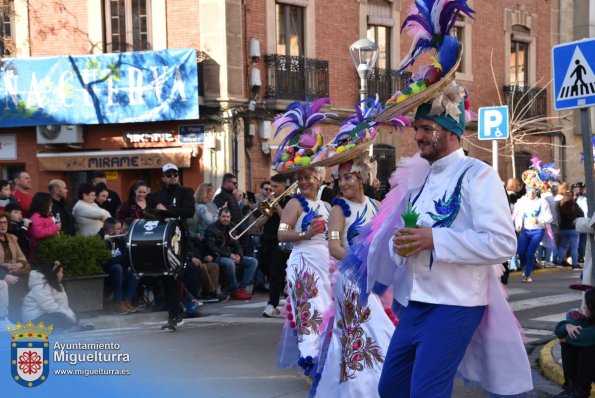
448, 210
353, 229
308, 218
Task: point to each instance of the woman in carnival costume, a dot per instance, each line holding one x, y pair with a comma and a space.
445, 269
303, 223
360, 334
532, 215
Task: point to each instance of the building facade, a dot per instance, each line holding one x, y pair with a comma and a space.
254, 57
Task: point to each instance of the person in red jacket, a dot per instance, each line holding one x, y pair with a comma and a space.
22, 187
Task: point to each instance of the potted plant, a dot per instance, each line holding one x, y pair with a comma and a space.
81, 257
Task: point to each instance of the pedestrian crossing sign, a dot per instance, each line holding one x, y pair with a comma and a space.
574, 77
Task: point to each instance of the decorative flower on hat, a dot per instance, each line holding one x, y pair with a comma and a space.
448, 101
540, 175
304, 138
357, 132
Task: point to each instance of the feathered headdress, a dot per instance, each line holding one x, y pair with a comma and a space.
357, 133
539, 175
429, 25
303, 139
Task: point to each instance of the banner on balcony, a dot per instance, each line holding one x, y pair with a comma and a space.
99, 89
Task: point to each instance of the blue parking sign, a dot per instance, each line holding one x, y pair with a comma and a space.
493, 123
574, 80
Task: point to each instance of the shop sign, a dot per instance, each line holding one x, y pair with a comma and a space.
8, 147
131, 87
191, 133
149, 137
114, 160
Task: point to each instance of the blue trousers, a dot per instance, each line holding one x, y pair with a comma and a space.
426, 350
527, 245
249, 265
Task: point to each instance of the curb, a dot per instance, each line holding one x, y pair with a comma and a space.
551, 369
548, 270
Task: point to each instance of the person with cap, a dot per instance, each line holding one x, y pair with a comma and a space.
179, 201
113, 202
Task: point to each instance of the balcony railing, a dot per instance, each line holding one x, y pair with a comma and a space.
296, 78
526, 102
385, 82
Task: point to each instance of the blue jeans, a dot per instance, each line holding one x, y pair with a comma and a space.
116, 278
248, 264
528, 241
569, 239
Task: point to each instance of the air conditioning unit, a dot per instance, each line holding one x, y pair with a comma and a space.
67, 134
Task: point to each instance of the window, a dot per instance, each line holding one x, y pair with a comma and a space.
128, 25
290, 30
519, 56
459, 32
6, 35
381, 36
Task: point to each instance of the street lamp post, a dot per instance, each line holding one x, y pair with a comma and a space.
363, 53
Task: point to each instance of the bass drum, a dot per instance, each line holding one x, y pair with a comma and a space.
157, 247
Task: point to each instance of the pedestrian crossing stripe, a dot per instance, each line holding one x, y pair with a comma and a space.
579, 80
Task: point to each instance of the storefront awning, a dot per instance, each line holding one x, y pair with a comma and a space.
114, 160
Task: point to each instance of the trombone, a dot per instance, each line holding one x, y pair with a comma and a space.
266, 208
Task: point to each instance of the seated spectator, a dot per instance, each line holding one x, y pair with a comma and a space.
121, 277
228, 253
47, 301
14, 268
6, 196
89, 217
42, 225
136, 203
207, 272
18, 226
577, 337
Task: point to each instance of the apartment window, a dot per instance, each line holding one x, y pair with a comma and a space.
6, 27
519, 56
128, 25
381, 36
290, 30
458, 30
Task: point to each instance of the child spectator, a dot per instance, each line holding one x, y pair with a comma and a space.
6, 196
577, 337
47, 301
42, 225
19, 226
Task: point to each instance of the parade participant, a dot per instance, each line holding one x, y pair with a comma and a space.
532, 216
303, 223
452, 312
179, 201
577, 342
272, 259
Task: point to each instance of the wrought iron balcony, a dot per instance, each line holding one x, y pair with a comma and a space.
385, 82
296, 78
526, 102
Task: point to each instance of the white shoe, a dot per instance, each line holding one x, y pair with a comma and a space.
270, 311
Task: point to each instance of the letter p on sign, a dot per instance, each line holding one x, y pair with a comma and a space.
493, 123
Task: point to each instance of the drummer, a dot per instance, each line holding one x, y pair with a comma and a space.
178, 200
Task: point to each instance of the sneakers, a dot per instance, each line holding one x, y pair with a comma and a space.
209, 298
527, 279
240, 294
270, 311
121, 309
173, 323
222, 297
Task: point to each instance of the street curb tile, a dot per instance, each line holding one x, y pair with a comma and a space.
551, 369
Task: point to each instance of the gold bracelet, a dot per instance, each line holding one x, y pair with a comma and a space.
301, 235
335, 235
285, 227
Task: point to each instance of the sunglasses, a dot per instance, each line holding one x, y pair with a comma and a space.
172, 174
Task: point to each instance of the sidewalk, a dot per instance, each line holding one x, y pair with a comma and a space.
550, 360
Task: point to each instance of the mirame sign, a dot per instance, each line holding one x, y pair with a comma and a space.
98, 89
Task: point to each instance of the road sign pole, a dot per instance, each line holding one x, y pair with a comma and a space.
495, 155
588, 162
